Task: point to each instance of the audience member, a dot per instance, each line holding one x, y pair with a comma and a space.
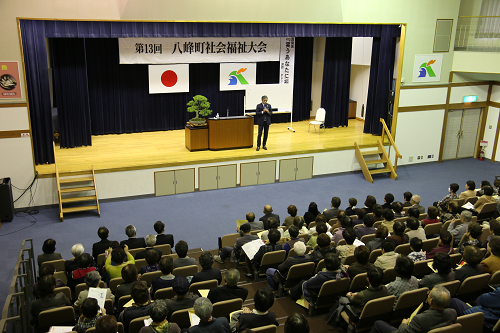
471, 237
273, 275
416, 253
268, 211
161, 238
405, 281
140, 305
292, 211
398, 234
407, 199
296, 323
388, 257
234, 252
324, 247
129, 275
46, 269
495, 229
49, 254
453, 212
347, 250
443, 265
102, 245
492, 263
294, 238
106, 324
452, 195
397, 208
183, 298
351, 209
150, 243
117, 256
360, 213
487, 303
388, 200
362, 254
367, 227
380, 235
89, 315
72, 264
470, 190
375, 290
271, 223
332, 212
256, 225
432, 215
203, 309
230, 290
413, 212
207, 271
458, 228
260, 316
152, 261
484, 183
378, 212
167, 279
444, 245
484, 199
345, 223
312, 212
48, 299
158, 313
472, 257
415, 202
132, 242
299, 222
335, 223
273, 245
415, 229
78, 275
181, 248
369, 203
388, 221
321, 228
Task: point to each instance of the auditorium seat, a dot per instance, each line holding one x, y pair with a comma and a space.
164, 293
185, 271
114, 283
472, 287
148, 277
328, 294
209, 284
376, 309
224, 308
473, 322
358, 283
454, 328
407, 303
165, 248
452, 286
136, 324
181, 318
296, 273
270, 260
62, 316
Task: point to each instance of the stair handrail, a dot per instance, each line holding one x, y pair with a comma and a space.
385, 131
57, 180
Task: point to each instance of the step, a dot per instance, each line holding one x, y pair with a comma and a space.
79, 209
375, 171
77, 189
78, 199
375, 162
371, 152
75, 180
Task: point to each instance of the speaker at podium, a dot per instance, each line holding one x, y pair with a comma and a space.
6, 201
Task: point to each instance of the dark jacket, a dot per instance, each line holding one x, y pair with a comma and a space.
467, 271
429, 320
134, 243
265, 217
100, 247
142, 254
216, 325
207, 274
260, 115
224, 293
289, 262
165, 239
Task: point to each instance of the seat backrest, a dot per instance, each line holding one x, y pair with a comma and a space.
403, 249
495, 278
460, 202
489, 207
408, 302
164, 293
58, 264
376, 309
422, 216
274, 257
148, 277
120, 329
229, 240
452, 286
433, 228
165, 248
445, 225
79, 288
320, 114
172, 255
185, 271
305, 236
471, 322
108, 305
65, 290
429, 244
265, 329
304, 270
342, 242
359, 282
366, 238
114, 283
136, 324
122, 301
374, 255
320, 266
376, 224
454, 328
100, 259
349, 260
421, 268
455, 258
330, 291
133, 252
181, 318
224, 308
389, 275
486, 233
472, 285
209, 284
312, 224
62, 316
61, 275
472, 200
139, 263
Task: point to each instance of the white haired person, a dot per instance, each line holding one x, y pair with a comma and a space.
158, 313
273, 275
203, 309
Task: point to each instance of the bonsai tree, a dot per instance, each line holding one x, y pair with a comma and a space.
201, 106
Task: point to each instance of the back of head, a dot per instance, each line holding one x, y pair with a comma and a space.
472, 255
440, 297
232, 277
397, 207
92, 279
245, 228
320, 218
407, 195
139, 292
151, 257
485, 183
77, 250
268, 209
335, 202
130, 231
264, 299
389, 198
416, 244
300, 248
442, 263
103, 233
106, 324
412, 223
49, 246
454, 187
466, 216
494, 245
181, 248
274, 236
84, 260
432, 212
445, 237
294, 231
206, 260
475, 230
298, 221
292, 210
368, 220
382, 232
272, 223
250, 217
488, 190
332, 262
158, 311
362, 253
495, 227
375, 276
159, 227
46, 285
361, 212
413, 212
166, 265
129, 273
370, 201
399, 228
378, 211
404, 267
453, 206
150, 240
349, 236
313, 208
416, 199
321, 228
388, 245
118, 255
388, 214
89, 308
203, 308
296, 323
346, 222
471, 185
353, 202
323, 241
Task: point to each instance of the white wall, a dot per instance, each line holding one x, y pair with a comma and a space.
317, 73
458, 93
422, 96
490, 131
361, 51
495, 94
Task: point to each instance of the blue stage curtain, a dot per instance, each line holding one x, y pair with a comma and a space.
302, 79
336, 81
381, 72
37, 80
70, 81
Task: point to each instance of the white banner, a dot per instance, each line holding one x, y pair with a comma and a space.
287, 60
237, 76
198, 50
168, 78
427, 67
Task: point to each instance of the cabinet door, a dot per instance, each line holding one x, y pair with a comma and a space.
164, 183
184, 181
267, 172
287, 169
227, 176
207, 178
304, 168
249, 173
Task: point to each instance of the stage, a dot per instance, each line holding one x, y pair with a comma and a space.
136, 151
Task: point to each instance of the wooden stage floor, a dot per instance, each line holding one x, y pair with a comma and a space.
111, 153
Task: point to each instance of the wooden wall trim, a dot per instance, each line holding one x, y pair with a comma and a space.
422, 108
467, 105
426, 86
451, 84
12, 134
495, 104
13, 105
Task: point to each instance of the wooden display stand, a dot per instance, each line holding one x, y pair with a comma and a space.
230, 132
196, 138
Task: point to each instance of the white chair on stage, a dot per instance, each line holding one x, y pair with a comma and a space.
319, 120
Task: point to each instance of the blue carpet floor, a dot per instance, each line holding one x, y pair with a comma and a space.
200, 217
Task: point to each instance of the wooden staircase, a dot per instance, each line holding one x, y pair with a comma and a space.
382, 157
77, 191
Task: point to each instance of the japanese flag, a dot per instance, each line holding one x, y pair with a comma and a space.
168, 78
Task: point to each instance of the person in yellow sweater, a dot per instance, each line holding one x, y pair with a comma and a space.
118, 256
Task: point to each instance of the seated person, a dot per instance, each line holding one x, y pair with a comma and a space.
492, 263
388, 200
444, 245
367, 227
203, 309
471, 237
453, 212
46, 269
388, 257
375, 290
360, 213
398, 234
405, 281
167, 279
140, 306
299, 222
321, 228
388, 219
435, 317
48, 299
319, 220
296, 323
415, 202
484, 199
416, 253
282, 271
161, 238
132, 242
413, 212
152, 261
380, 235
258, 317
495, 229
106, 324
361, 253
92, 280
459, 227
150, 243
397, 208
369, 203
344, 251
256, 225
271, 223
183, 298
292, 211
443, 265
452, 195
432, 216
118, 256
351, 209
90, 314
322, 249
273, 245
415, 229
332, 212
487, 303
334, 271
407, 199
378, 212
268, 211
235, 252
311, 214
158, 313
345, 222
470, 190
101, 246
181, 248
230, 290
129, 275
78, 275
484, 183
294, 237
472, 257
207, 271
49, 254
72, 264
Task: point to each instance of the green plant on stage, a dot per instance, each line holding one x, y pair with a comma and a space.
201, 106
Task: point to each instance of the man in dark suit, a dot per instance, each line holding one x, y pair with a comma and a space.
161, 238
230, 290
132, 242
103, 244
263, 113
437, 316
332, 212
150, 242
300, 258
268, 210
